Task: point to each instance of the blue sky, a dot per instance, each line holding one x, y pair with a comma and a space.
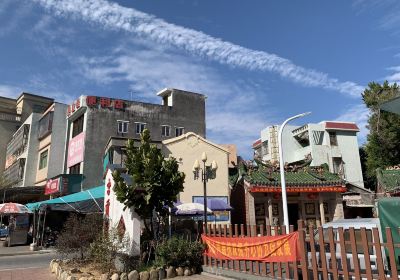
258, 62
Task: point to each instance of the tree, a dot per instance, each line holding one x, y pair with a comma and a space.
156, 181
383, 142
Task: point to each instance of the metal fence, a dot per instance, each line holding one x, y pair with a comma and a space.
325, 253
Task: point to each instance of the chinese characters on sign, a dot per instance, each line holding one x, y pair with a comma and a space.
281, 248
76, 148
94, 101
52, 186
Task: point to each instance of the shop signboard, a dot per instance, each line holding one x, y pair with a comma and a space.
76, 147
52, 186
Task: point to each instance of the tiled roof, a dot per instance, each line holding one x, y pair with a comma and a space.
389, 180
302, 178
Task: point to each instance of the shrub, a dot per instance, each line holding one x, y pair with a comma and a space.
105, 249
180, 252
78, 233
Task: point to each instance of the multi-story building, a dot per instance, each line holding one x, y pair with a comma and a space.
14, 112
93, 120
21, 154
51, 136
332, 143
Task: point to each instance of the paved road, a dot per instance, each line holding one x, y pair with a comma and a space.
24, 267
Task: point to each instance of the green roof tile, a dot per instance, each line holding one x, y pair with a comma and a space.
306, 177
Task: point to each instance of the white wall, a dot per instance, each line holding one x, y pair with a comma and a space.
56, 157
131, 219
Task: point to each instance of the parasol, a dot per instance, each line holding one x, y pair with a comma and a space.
13, 208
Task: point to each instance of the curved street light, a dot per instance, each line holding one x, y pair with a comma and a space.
282, 170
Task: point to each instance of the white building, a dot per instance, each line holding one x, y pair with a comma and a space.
333, 143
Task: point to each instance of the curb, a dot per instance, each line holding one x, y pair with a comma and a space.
26, 253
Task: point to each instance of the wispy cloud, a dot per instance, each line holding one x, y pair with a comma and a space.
233, 107
113, 16
9, 91
359, 114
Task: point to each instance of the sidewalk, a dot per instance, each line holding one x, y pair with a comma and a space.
21, 250
27, 273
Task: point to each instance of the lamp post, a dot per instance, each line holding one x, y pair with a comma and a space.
207, 172
282, 170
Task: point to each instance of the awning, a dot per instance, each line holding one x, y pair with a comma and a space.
88, 201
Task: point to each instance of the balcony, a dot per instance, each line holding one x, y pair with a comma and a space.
19, 142
14, 173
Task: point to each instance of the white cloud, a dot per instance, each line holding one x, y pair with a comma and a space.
359, 114
9, 91
114, 16
233, 114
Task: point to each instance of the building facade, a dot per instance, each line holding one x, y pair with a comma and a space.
187, 149
333, 143
313, 195
14, 112
93, 120
51, 143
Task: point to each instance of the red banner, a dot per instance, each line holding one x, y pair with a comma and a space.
281, 248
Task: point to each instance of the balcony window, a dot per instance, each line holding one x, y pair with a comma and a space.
43, 159
333, 138
77, 126
45, 125
179, 131
165, 130
123, 126
75, 169
139, 127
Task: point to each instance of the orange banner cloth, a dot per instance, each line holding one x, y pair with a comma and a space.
280, 248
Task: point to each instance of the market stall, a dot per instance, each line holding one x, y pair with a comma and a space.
16, 232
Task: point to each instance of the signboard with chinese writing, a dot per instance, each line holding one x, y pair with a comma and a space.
76, 147
52, 186
280, 248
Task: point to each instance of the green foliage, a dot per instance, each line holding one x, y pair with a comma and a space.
383, 142
78, 233
104, 249
179, 252
156, 181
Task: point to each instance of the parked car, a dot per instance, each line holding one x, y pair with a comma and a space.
346, 224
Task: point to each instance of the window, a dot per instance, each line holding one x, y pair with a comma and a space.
123, 126
77, 126
139, 127
332, 138
43, 159
165, 130
45, 125
75, 169
337, 165
179, 131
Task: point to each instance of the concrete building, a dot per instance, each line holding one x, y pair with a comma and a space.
21, 155
14, 112
187, 149
51, 143
93, 120
333, 143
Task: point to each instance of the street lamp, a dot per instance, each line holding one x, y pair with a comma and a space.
207, 172
282, 170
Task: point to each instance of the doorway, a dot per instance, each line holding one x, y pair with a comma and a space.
293, 209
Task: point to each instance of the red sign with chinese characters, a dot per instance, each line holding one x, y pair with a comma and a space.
104, 102
52, 186
280, 248
76, 147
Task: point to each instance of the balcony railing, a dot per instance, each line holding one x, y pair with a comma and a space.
19, 141
15, 172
